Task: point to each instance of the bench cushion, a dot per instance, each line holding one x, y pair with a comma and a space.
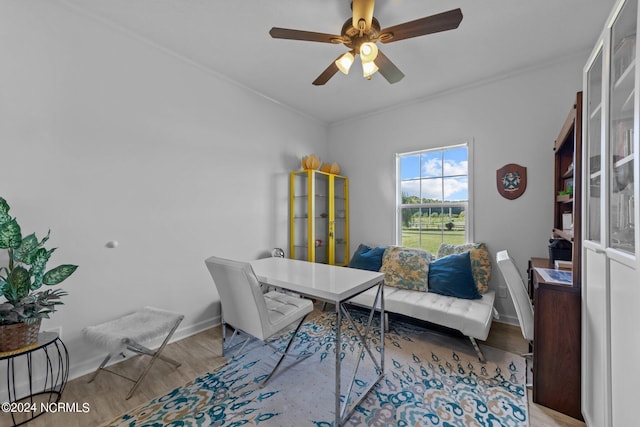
471, 317
140, 326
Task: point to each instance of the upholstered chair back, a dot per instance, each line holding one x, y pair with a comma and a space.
519, 294
243, 303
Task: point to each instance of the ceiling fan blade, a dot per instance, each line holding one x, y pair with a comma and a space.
388, 69
431, 24
286, 33
327, 74
362, 9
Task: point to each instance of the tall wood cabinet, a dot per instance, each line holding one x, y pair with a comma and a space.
319, 217
611, 249
557, 317
567, 215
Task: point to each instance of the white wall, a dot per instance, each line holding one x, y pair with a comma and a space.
104, 137
514, 119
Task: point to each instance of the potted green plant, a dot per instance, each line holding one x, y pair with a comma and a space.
20, 282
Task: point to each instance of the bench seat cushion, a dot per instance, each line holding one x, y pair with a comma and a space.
471, 317
140, 326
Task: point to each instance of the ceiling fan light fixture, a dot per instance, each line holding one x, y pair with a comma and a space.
368, 51
345, 62
361, 33
368, 69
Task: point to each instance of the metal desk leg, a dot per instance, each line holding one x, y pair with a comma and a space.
338, 409
342, 415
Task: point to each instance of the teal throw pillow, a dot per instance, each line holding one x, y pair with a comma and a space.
451, 276
367, 258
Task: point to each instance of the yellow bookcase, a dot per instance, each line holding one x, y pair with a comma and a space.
319, 217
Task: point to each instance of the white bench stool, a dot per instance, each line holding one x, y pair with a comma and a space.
129, 332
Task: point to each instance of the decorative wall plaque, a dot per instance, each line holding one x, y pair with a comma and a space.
511, 180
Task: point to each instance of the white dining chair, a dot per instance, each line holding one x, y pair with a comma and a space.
250, 311
519, 296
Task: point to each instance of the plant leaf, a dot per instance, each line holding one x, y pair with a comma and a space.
28, 248
8, 313
58, 274
10, 234
38, 266
4, 211
4, 289
4, 206
19, 284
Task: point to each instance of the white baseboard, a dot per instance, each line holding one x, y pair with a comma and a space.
509, 320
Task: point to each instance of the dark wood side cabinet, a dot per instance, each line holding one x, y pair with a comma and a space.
556, 343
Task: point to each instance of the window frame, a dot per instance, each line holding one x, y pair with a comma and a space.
469, 213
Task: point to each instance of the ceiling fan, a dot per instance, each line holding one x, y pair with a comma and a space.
360, 34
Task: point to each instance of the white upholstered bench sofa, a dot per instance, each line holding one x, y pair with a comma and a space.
449, 289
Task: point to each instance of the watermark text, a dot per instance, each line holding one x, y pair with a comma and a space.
53, 407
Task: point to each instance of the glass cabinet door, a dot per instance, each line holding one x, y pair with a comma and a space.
319, 217
621, 112
339, 225
593, 138
319, 244
300, 188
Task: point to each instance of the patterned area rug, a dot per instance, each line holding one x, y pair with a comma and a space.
431, 379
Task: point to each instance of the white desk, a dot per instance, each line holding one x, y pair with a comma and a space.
335, 285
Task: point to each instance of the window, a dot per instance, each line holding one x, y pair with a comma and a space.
433, 197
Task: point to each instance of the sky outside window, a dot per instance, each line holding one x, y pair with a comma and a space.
436, 175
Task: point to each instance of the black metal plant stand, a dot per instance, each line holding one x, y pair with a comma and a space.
38, 374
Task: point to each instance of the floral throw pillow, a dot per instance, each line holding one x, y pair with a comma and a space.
406, 268
480, 261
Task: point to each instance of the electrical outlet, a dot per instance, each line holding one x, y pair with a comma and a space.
502, 292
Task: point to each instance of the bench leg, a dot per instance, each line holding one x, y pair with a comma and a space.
140, 349
156, 355
102, 365
478, 351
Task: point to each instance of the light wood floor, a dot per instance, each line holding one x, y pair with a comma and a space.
200, 354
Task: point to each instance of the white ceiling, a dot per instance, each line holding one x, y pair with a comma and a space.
231, 38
